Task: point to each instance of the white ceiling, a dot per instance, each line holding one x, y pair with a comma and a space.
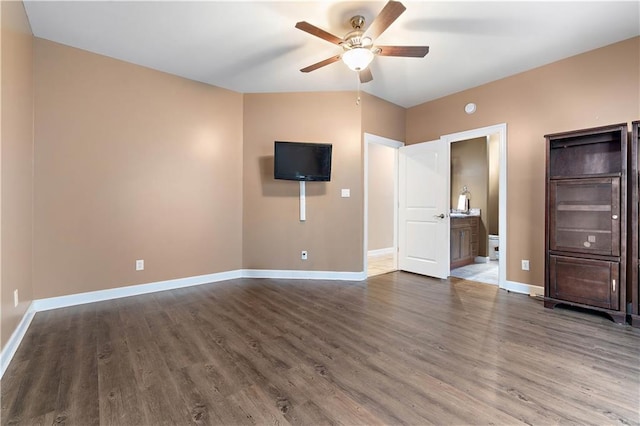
253, 46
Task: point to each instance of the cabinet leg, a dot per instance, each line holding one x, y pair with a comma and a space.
619, 318
616, 316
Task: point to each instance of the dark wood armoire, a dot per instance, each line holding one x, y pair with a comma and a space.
586, 220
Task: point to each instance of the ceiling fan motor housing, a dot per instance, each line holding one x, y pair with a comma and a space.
357, 22
354, 38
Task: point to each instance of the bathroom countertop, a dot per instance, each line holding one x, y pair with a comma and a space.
463, 215
458, 214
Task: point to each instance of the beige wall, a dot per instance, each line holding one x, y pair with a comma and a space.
470, 168
333, 231
381, 193
593, 89
382, 118
16, 155
493, 202
131, 163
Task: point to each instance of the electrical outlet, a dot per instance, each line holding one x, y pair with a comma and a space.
525, 265
303, 255
139, 265
15, 298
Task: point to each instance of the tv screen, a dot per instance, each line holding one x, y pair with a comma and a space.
302, 161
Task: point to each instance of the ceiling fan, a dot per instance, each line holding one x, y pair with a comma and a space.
358, 44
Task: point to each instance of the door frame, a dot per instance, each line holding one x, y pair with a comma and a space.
501, 130
370, 138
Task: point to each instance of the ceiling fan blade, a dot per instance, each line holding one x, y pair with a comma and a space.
365, 75
408, 51
321, 64
389, 13
313, 30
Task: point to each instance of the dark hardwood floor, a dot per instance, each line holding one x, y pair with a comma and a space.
395, 349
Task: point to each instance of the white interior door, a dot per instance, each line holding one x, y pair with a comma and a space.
423, 237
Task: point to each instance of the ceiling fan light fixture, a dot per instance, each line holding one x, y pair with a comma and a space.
357, 58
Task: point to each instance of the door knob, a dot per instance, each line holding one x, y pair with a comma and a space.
440, 216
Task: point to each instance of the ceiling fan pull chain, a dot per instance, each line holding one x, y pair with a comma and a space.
358, 79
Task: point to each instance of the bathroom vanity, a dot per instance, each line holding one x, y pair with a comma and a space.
464, 239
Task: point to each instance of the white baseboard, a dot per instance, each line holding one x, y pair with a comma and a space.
304, 275
134, 290
516, 287
14, 341
381, 252
536, 290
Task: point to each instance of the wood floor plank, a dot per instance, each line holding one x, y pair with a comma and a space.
77, 399
36, 396
346, 411
397, 348
258, 407
119, 399
156, 384
309, 413
12, 390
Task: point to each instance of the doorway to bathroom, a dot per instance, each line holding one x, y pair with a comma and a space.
478, 197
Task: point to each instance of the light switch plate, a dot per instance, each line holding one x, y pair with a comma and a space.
346, 193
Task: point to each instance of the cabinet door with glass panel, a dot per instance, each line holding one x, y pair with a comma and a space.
585, 216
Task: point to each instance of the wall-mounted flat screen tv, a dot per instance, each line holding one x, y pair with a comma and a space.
302, 161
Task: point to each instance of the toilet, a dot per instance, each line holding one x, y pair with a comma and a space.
494, 249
